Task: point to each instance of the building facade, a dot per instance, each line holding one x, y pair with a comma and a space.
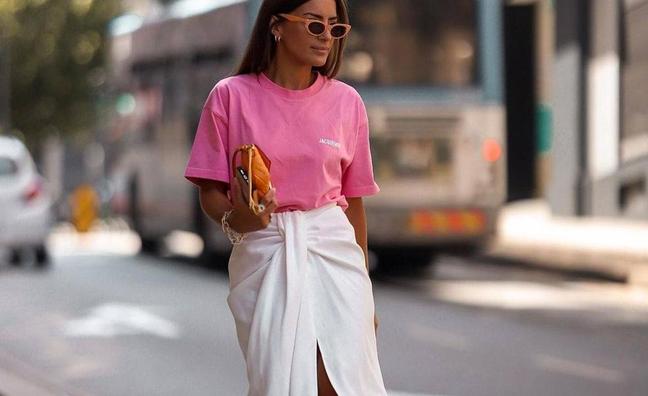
600, 73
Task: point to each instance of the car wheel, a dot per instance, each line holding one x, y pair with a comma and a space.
15, 257
42, 256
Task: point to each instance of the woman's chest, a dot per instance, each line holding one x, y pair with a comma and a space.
297, 136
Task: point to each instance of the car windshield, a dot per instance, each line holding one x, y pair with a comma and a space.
7, 166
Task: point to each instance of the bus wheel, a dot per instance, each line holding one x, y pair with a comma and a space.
403, 260
15, 257
149, 245
133, 207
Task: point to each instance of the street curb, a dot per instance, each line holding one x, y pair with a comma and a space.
608, 247
613, 266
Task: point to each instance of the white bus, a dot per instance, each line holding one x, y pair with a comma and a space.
430, 73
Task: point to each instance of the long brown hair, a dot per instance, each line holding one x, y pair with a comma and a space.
261, 48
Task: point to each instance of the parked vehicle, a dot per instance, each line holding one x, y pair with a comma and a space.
25, 204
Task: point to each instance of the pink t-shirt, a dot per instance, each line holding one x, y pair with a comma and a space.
317, 138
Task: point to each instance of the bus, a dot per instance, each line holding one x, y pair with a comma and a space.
429, 72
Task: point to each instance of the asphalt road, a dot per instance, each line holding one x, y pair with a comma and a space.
102, 322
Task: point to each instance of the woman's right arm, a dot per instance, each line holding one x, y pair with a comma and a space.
213, 199
215, 202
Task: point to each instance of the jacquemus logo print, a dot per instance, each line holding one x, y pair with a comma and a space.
330, 142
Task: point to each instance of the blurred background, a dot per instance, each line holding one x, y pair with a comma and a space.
508, 244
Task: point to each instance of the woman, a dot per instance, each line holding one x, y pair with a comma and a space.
300, 292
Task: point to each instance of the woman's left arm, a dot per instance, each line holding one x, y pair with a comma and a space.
356, 215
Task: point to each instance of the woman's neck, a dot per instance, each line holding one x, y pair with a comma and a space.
291, 76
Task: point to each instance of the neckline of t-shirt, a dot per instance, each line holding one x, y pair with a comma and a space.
287, 93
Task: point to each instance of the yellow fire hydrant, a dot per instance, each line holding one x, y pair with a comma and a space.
84, 202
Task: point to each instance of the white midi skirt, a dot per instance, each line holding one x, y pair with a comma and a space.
299, 283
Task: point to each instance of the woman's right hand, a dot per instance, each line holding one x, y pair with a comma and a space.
243, 219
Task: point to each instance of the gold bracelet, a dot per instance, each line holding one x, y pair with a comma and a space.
234, 236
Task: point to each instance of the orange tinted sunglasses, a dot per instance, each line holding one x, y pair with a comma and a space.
317, 28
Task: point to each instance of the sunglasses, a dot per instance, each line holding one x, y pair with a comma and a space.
317, 28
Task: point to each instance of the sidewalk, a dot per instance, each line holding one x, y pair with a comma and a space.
611, 247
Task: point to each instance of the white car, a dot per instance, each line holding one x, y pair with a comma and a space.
25, 204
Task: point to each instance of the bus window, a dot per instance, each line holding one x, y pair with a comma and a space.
412, 42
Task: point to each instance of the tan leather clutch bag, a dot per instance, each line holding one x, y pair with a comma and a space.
257, 167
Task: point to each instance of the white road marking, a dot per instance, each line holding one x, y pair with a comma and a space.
578, 369
112, 319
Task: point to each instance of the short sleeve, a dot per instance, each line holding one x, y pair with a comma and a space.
358, 179
208, 158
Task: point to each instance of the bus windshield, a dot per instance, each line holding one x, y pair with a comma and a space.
412, 43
